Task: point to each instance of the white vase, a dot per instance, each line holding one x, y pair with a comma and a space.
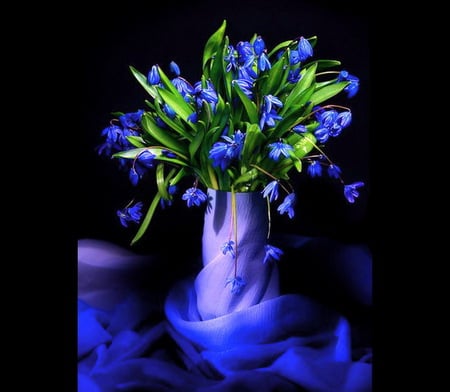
249, 229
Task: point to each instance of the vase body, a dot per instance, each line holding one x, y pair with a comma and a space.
249, 230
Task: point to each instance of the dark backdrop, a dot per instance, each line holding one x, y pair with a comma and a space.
112, 39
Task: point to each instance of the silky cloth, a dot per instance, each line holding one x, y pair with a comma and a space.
138, 331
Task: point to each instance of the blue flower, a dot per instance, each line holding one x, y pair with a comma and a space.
304, 49
222, 153
130, 214
272, 253
294, 75
172, 189
245, 85
351, 192
207, 94
174, 68
237, 284
315, 169
271, 190
344, 119
334, 171
153, 77
300, 128
279, 148
246, 55
230, 59
228, 247
168, 154
269, 119
194, 196
353, 87
131, 120
271, 100
288, 205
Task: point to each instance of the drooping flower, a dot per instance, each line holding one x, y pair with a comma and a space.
288, 205
300, 128
351, 191
272, 253
194, 196
271, 190
314, 169
171, 190
353, 87
131, 120
237, 284
334, 171
279, 148
130, 214
228, 247
246, 55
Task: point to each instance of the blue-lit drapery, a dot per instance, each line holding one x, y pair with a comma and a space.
198, 336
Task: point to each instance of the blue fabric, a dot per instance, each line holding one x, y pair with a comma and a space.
136, 338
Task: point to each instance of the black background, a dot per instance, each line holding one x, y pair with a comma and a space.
112, 39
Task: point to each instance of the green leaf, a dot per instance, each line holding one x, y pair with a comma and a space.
177, 103
143, 82
272, 83
304, 145
325, 64
162, 189
173, 124
213, 43
249, 176
162, 136
249, 105
136, 141
254, 138
146, 221
167, 83
327, 92
198, 139
306, 80
281, 45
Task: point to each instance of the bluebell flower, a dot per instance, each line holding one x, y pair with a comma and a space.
247, 73
168, 154
130, 214
172, 189
259, 45
315, 169
230, 59
193, 117
264, 63
279, 148
344, 118
112, 135
194, 196
228, 247
183, 87
223, 153
272, 253
146, 158
304, 49
207, 94
271, 190
246, 86
300, 128
153, 77
334, 171
288, 205
353, 87
131, 120
269, 119
174, 68
169, 111
237, 284
133, 176
246, 54
294, 75
294, 57
322, 134
351, 192
271, 100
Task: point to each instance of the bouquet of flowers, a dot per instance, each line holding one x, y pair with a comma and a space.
252, 119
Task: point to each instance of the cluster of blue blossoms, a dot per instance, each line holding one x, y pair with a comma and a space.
251, 93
